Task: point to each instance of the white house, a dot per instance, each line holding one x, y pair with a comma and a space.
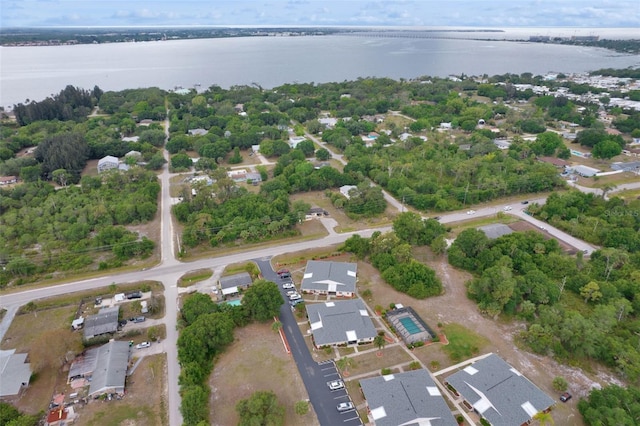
345, 189
107, 163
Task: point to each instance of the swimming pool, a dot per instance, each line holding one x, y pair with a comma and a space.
236, 302
410, 325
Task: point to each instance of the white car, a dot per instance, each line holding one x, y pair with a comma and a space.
288, 285
507, 208
471, 212
143, 345
336, 385
345, 406
291, 292
294, 296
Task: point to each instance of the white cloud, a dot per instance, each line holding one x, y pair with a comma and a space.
539, 13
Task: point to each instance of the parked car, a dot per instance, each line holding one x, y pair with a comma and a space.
345, 406
288, 285
282, 271
294, 296
291, 292
336, 385
296, 302
471, 212
139, 319
285, 275
525, 202
143, 345
565, 397
507, 208
134, 295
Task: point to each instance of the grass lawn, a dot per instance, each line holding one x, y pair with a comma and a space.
193, 277
372, 363
463, 343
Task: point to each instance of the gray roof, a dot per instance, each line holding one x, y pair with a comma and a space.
14, 372
627, 167
112, 360
499, 392
410, 398
83, 365
585, 171
340, 322
105, 321
496, 230
242, 279
329, 276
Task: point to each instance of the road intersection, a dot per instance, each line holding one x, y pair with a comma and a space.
170, 269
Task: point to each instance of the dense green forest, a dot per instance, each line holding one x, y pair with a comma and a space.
575, 308
43, 230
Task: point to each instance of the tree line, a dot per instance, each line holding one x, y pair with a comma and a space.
207, 331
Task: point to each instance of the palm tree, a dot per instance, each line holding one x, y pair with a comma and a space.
379, 341
344, 363
544, 417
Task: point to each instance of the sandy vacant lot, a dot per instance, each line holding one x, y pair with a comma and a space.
256, 361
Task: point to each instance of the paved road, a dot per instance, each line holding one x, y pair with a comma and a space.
314, 376
170, 269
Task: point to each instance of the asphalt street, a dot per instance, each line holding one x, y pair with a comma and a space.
170, 270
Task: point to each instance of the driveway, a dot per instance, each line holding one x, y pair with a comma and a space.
314, 375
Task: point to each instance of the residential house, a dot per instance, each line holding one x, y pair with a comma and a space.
315, 213
631, 166
104, 368
295, 140
585, 171
343, 322
7, 180
238, 175
60, 416
445, 126
502, 143
107, 163
130, 139
198, 132
329, 278
328, 122
346, 190
409, 398
557, 162
15, 372
498, 392
104, 322
136, 154
232, 284
146, 122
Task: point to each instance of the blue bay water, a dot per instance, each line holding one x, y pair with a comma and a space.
37, 72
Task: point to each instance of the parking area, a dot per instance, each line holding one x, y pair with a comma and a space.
344, 411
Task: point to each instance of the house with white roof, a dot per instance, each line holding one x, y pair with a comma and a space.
498, 392
343, 322
295, 140
107, 163
329, 278
409, 398
346, 189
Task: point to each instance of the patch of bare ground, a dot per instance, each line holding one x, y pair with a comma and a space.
256, 361
453, 306
144, 404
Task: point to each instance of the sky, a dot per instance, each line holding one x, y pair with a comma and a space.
414, 13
